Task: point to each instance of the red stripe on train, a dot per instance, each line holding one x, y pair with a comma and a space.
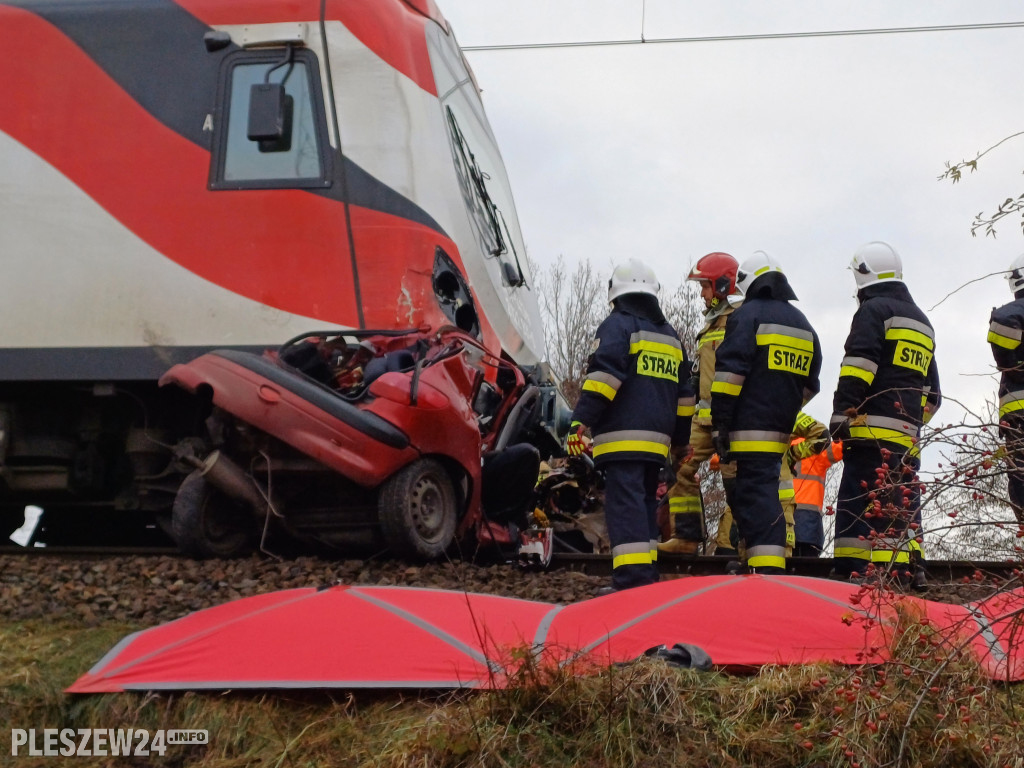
284, 248
72, 114
389, 28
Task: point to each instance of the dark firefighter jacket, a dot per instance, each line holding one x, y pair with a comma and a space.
888, 375
1005, 332
766, 369
633, 397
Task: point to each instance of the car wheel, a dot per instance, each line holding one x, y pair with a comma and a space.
417, 511
207, 523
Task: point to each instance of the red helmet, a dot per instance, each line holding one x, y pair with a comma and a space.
719, 269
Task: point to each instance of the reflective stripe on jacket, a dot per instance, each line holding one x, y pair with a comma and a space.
766, 369
633, 398
1005, 332
888, 376
708, 340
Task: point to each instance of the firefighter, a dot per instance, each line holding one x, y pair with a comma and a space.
888, 388
716, 274
767, 369
637, 406
809, 472
1004, 335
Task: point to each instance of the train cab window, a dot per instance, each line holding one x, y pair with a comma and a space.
491, 229
267, 87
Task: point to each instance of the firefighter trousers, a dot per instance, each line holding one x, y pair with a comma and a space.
727, 538
760, 521
879, 497
684, 498
630, 504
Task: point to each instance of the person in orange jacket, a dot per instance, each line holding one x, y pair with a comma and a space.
809, 494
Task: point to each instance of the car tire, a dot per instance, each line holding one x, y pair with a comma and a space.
418, 511
206, 523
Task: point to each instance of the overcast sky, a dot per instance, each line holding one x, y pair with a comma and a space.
805, 148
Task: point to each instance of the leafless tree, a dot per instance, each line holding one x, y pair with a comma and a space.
968, 515
684, 310
573, 305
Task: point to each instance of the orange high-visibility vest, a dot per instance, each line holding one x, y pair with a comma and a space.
809, 477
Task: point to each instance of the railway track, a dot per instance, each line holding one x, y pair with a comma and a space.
146, 585
90, 551
939, 571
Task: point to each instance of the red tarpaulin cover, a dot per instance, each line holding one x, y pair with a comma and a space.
340, 637
402, 637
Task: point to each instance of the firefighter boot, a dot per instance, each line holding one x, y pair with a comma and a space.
677, 546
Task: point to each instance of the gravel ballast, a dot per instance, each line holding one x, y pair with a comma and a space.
150, 590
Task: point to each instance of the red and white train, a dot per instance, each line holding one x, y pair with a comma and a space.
177, 177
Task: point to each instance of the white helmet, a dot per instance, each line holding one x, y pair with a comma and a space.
757, 264
876, 262
1015, 276
632, 277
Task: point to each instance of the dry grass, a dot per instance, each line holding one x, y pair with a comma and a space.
923, 709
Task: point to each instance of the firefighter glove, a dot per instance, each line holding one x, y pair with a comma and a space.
574, 440
720, 442
803, 450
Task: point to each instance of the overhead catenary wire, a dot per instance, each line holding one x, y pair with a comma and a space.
750, 37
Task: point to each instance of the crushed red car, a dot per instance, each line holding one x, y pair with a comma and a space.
417, 442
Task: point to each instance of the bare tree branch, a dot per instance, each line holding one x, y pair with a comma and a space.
1010, 205
573, 307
